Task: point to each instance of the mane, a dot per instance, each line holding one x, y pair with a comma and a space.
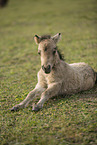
61, 56
45, 37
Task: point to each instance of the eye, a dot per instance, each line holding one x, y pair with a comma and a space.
39, 52
54, 51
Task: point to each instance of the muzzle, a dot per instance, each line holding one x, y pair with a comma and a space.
46, 69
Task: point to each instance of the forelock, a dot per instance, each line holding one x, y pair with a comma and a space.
45, 37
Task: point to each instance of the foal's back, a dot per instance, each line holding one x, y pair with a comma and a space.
83, 74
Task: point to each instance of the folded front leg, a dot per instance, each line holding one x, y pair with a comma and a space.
52, 90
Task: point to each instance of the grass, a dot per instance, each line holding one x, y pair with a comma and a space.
63, 120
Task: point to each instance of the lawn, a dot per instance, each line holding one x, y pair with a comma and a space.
69, 120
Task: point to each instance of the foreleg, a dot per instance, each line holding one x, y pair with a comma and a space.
34, 93
51, 91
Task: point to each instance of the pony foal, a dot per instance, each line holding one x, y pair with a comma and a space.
56, 77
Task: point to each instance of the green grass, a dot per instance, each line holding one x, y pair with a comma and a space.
69, 120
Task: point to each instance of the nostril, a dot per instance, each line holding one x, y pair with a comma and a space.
44, 68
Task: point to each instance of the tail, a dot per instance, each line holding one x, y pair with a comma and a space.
96, 77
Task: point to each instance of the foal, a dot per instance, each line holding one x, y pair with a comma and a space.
56, 77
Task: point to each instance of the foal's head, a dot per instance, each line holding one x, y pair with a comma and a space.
47, 50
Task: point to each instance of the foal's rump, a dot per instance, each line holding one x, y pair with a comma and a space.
87, 74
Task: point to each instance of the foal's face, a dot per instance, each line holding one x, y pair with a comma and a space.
47, 51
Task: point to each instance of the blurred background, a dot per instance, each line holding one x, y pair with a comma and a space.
21, 20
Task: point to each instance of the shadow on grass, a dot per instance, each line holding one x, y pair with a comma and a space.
92, 93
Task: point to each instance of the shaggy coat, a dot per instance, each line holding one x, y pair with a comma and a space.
56, 77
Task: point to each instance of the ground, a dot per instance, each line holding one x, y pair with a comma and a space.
65, 120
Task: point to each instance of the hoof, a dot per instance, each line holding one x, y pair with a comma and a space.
35, 108
14, 109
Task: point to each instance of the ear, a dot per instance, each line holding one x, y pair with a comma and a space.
57, 37
37, 39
